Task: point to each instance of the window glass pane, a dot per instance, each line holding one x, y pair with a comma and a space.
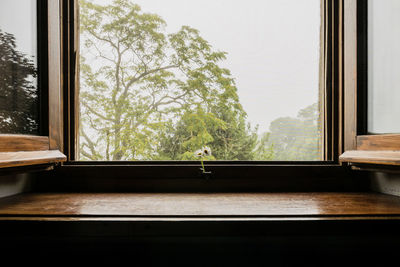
160, 79
19, 106
383, 66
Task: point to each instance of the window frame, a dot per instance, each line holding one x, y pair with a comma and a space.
22, 151
156, 175
362, 150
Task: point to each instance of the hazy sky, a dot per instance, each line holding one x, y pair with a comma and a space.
272, 45
19, 18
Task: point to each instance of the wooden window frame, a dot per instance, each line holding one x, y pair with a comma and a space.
18, 150
362, 150
330, 77
226, 176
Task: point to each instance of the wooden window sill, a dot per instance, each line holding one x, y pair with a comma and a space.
196, 206
26, 158
371, 157
266, 227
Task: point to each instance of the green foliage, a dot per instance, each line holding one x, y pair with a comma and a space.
228, 136
265, 149
297, 138
18, 93
147, 95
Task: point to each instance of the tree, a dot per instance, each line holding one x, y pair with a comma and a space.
229, 136
297, 139
146, 94
265, 149
18, 92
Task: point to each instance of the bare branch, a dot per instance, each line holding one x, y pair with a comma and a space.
144, 74
101, 38
89, 144
171, 101
95, 112
86, 154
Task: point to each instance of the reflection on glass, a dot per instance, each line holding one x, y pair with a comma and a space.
383, 66
160, 79
19, 104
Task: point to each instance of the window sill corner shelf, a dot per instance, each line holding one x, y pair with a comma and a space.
386, 158
27, 158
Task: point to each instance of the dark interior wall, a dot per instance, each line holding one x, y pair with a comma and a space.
204, 243
12, 184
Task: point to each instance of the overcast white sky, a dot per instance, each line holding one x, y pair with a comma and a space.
19, 18
273, 48
272, 45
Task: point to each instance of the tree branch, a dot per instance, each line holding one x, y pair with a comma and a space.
144, 74
155, 105
86, 154
96, 113
90, 145
101, 38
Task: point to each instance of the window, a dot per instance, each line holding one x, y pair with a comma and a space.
65, 114
60, 114
159, 80
27, 130
372, 60
383, 67
19, 92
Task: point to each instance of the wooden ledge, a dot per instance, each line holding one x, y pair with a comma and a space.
371, 157
25, 158
16, 142
84, 206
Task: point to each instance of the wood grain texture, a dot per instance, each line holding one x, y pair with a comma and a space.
14, 143
25, 158
322, 79
196, 204
350, 74
340, 84
371, 157
379, 142
55, 85
76, 105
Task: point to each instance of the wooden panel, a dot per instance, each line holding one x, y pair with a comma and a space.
378, 142
55, 92
76, 86
322, 82
371, 157
13, 143
16, 159
340, 85
213, 204
350, 74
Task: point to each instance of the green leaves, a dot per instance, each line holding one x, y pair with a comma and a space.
297, 138
151, 95
18, 89
146, 94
